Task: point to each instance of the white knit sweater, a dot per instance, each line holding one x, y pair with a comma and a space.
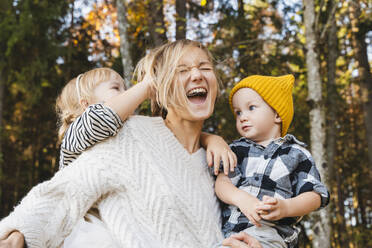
149, 190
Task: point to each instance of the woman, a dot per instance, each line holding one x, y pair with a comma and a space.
150, 183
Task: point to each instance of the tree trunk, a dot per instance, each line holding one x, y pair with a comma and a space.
321, 222
331, 94
2, 85
365, 79
180, 19
156, 22
124, 43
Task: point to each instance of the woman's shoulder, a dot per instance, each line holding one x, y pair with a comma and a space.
140, 122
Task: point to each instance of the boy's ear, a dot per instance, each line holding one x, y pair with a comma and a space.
84, 103
277, 118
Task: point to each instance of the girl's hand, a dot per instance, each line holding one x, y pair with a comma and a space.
241, 240
150, 85
248, 205
14, 240
218, 150
272, 208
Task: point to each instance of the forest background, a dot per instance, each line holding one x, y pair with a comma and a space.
324, 43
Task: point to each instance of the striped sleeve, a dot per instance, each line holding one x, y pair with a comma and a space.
97, 123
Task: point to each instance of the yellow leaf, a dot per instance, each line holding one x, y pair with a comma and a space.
203, 2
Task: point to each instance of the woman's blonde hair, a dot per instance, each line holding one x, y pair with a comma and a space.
68, 103
161, 63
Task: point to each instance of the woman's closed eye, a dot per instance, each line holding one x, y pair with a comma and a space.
205, 68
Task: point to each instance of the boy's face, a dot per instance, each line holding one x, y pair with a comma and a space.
255, 119
107, 90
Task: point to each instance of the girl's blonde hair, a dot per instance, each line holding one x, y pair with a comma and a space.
68, 103
161, 63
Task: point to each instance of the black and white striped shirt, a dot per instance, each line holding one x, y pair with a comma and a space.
97, 123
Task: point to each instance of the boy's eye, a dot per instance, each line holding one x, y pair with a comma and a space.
252, 107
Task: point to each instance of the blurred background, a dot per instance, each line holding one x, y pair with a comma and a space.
326, 44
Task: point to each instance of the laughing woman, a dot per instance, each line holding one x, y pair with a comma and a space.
150, 183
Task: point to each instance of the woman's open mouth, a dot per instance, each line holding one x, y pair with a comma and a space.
197, 95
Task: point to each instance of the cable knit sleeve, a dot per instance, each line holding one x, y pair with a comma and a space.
51, 209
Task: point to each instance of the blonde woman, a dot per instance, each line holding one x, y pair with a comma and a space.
150, 182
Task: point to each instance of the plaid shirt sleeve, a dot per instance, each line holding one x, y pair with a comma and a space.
236, 175
308, 178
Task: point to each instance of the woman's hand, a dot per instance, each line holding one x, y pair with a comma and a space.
14, 240
242, 240
218, 150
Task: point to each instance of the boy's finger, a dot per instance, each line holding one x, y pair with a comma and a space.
264, 207
269, 200
232, 161
235, 159
226, 163
254, 222
209, 158
216, 162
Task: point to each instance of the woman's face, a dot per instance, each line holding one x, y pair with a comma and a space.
195, 73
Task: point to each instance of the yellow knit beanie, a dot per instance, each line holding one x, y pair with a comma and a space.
276, 91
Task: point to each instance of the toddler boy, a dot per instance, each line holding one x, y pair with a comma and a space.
275, 180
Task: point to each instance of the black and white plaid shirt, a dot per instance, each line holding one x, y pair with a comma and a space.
97, 123
284, 169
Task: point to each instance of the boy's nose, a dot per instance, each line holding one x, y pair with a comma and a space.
243, 117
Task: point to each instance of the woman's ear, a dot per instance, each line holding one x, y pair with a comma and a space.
84, 103
277, 118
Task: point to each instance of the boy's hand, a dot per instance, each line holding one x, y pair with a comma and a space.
248, 205
218, 150
271, 208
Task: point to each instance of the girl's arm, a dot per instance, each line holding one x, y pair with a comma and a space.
218, 150
125, 103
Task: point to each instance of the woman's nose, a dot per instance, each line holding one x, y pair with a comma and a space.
195, 74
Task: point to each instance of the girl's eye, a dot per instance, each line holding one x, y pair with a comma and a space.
252, 107
206, 68
238, 112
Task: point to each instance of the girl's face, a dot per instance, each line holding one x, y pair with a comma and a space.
196, 75
107, 90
